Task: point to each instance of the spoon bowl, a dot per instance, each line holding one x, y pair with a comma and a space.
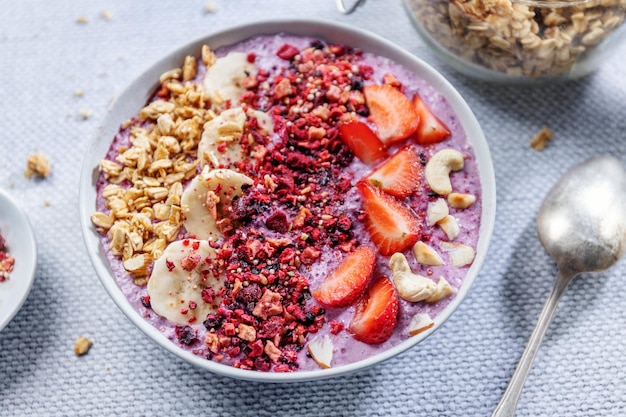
582, 225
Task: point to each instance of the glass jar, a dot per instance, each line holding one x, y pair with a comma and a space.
521, 40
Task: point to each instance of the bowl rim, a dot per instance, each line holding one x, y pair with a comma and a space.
23, 246
135, 96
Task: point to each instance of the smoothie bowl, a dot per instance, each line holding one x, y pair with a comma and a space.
288, 200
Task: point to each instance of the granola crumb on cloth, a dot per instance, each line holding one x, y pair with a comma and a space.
85, 114
82, 346
37, 164
210, 7
541, 139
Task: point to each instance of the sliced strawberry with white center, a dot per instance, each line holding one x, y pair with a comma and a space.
400, 174
362, 141
376, 314
391, 224
431, 129
392, 112
347, 282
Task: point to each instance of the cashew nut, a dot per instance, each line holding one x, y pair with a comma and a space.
438, 170
426, 255
443, 290
321, 350
460, 254
419, 323
461, 201
410, 286
436, 211
450, 226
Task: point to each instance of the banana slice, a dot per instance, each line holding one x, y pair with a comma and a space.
207, 198
178, 278
223, 80
264, 121
220, 145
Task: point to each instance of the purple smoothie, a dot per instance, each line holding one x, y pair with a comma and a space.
346, 348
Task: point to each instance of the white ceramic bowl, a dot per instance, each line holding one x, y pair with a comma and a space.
135, 97
18, 233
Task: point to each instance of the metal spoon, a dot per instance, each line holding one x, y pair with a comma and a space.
347, 10
582, 225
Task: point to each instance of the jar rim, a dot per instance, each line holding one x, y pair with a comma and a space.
553, 3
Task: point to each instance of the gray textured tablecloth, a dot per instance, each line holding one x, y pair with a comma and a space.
461, 370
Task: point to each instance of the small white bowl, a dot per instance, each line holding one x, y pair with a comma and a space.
20, 238
135, 97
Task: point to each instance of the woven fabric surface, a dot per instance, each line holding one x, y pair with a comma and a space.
47, 56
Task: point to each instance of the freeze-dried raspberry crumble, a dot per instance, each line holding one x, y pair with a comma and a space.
6, 260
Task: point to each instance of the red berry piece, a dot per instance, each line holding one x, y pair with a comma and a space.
287, 52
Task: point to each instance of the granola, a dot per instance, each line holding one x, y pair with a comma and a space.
82, 346
541, 139
144, 217
38, 165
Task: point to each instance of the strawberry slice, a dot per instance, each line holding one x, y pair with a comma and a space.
400, 174
392, 112
431, 129
376, 314
362, 141
392, 225
347, 282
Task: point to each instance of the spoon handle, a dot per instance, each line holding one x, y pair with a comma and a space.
508, 403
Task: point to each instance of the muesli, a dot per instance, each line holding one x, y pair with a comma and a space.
523, 38
286, 204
